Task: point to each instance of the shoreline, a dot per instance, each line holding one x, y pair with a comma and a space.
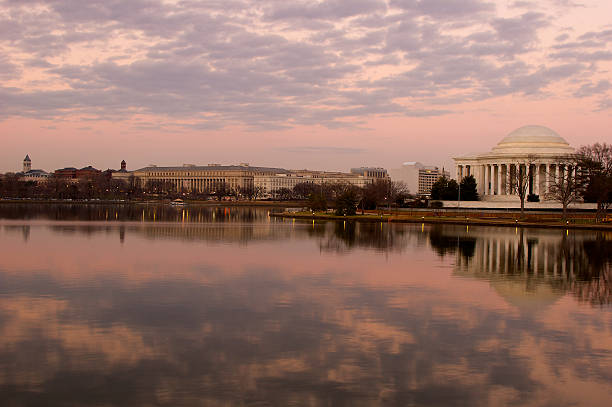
394, 218
284, 204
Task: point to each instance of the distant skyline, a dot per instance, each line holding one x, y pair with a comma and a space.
324, 85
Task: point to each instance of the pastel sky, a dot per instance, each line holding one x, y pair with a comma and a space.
328, 84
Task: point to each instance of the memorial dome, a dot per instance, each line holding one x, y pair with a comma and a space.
533, 140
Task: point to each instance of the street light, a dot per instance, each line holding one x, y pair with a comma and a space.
459, 195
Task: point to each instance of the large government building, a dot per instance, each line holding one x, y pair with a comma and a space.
537, 146
214, 177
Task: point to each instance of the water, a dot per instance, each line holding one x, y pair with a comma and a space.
153, 305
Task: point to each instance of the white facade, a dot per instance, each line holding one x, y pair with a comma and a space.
239, 177
417, 177
270, 183
537, 146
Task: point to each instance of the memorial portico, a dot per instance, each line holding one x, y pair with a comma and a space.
533, 150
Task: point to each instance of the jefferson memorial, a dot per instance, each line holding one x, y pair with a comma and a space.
537, 146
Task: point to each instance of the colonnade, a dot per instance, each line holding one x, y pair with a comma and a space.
509, 256
195, 184
498, 178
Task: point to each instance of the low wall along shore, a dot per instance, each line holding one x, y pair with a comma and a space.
546, 205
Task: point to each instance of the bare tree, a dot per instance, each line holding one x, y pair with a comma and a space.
595, 162
518, 179
567, 187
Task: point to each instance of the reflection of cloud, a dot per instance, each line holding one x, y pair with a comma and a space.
27, 319
277, 321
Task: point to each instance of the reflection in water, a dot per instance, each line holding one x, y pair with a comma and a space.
134, 212
232, 308
579, 263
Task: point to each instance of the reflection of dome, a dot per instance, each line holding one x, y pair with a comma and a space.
515, 292
533, 140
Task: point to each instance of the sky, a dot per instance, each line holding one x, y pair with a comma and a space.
329, 84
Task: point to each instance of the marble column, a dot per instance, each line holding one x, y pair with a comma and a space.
547, 179
499, 179
492, 178
536, 190
487, 178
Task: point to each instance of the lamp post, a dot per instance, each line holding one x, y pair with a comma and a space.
459, 195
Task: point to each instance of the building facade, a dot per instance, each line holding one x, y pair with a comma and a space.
214, 178
370, 172
75, 173
28, 174
418, 178
534, 150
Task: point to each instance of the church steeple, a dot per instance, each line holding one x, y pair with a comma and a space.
27, 163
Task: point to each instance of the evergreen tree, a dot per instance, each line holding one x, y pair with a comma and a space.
346, 203
317, 202
438, 188
468, 189
445, 189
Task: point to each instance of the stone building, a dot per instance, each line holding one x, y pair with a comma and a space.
538, 147
236, 178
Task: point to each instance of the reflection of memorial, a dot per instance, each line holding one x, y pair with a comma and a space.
533, 268
526, 266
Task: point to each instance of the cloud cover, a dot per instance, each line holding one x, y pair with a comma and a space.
276, 64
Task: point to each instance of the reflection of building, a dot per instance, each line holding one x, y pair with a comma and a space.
215, 177
533, 268
418, 178
536, 147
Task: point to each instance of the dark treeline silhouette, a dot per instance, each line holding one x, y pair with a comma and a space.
347, 199
104, 187
101, 186
448, 190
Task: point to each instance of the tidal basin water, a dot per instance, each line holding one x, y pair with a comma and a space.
161, 306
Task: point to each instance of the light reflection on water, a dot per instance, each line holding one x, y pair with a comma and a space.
240, 308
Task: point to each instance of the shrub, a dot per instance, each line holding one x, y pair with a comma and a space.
533, 198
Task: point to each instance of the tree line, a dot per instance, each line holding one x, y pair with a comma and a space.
586, 175
104, 187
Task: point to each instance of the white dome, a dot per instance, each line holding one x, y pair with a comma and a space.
533, 140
